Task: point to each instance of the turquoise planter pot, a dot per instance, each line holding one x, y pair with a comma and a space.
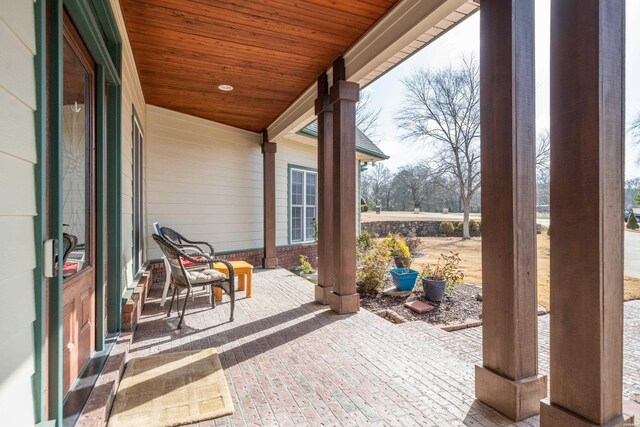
404, 278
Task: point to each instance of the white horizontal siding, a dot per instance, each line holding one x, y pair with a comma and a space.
289, 153
17, 210
132, 97
204, 179
18, 125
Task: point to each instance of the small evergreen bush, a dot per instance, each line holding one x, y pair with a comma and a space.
446, 228
474, 226
364, 208
459, 226
632, 222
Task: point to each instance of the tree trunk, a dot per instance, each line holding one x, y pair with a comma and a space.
465, 220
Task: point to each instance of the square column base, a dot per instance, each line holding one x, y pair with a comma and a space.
270, 262
344, 304
554, 415
323, 294
515, 399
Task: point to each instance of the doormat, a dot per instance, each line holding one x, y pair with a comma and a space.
171, 389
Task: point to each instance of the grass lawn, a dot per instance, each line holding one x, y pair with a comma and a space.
471, 263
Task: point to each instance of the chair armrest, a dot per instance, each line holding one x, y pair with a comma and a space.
193, 242
228, 265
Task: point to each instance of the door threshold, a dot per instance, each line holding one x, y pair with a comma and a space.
79, 393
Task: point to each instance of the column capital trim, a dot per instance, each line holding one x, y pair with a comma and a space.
323, 104
343, 90
269, 147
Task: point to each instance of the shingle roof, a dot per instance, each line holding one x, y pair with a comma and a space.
363, 143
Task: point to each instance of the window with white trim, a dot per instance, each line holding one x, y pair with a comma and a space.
303, 191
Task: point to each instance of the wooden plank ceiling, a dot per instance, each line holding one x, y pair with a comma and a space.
270, 51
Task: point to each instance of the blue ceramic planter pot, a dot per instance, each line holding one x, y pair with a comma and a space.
404, 278
434, 289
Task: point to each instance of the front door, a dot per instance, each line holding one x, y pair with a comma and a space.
78, 160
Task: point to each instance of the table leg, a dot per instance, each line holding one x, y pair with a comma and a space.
218, 293
241, 280
249, 283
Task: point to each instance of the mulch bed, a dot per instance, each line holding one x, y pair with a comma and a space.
459, 306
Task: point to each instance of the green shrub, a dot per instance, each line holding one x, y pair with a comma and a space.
549, 231
364, 208
474, 226
459, 226
632, 222
374, 266
364, 242
446, 228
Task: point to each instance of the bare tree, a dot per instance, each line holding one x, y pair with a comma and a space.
414, 178
442, 108
376, 184
367, 116
635, 127
543, 150
543, 157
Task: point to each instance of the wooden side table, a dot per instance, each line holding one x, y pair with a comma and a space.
244, 272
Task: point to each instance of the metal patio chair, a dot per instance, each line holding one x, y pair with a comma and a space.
186, 278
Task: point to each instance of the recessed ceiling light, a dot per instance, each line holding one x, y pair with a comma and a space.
226, 88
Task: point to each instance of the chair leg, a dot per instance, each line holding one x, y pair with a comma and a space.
232, 294
172, 298
184, 307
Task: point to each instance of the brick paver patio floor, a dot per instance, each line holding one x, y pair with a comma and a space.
291, 362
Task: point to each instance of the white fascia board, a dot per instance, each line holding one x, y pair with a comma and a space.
396, 30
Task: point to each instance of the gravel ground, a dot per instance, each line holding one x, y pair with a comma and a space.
459, 306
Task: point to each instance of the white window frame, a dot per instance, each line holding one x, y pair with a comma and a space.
305, 172
137, 182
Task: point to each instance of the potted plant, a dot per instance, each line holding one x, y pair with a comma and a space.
437, 278
399, 250
404, 278
306, 269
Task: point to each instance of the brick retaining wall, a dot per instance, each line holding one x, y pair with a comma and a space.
409, 228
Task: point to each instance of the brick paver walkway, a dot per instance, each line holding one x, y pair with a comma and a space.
291, 362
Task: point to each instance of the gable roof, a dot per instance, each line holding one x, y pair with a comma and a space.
363, 144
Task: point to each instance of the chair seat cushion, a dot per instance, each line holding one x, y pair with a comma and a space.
203, 276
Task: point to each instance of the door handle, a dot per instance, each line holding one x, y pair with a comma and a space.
50, 256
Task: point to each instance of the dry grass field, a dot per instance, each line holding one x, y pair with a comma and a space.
471, 263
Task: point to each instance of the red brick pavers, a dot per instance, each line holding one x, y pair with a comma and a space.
291, 362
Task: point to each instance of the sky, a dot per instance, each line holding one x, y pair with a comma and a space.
388, 92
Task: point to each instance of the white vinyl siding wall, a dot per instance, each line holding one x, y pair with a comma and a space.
17, 210
289, 153
204, 179
131, 96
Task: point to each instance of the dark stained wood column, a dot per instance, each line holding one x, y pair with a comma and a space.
344, 96
587, 172
270, 259
508, 379
324, 111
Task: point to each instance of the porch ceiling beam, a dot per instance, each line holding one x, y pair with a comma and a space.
397, 29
